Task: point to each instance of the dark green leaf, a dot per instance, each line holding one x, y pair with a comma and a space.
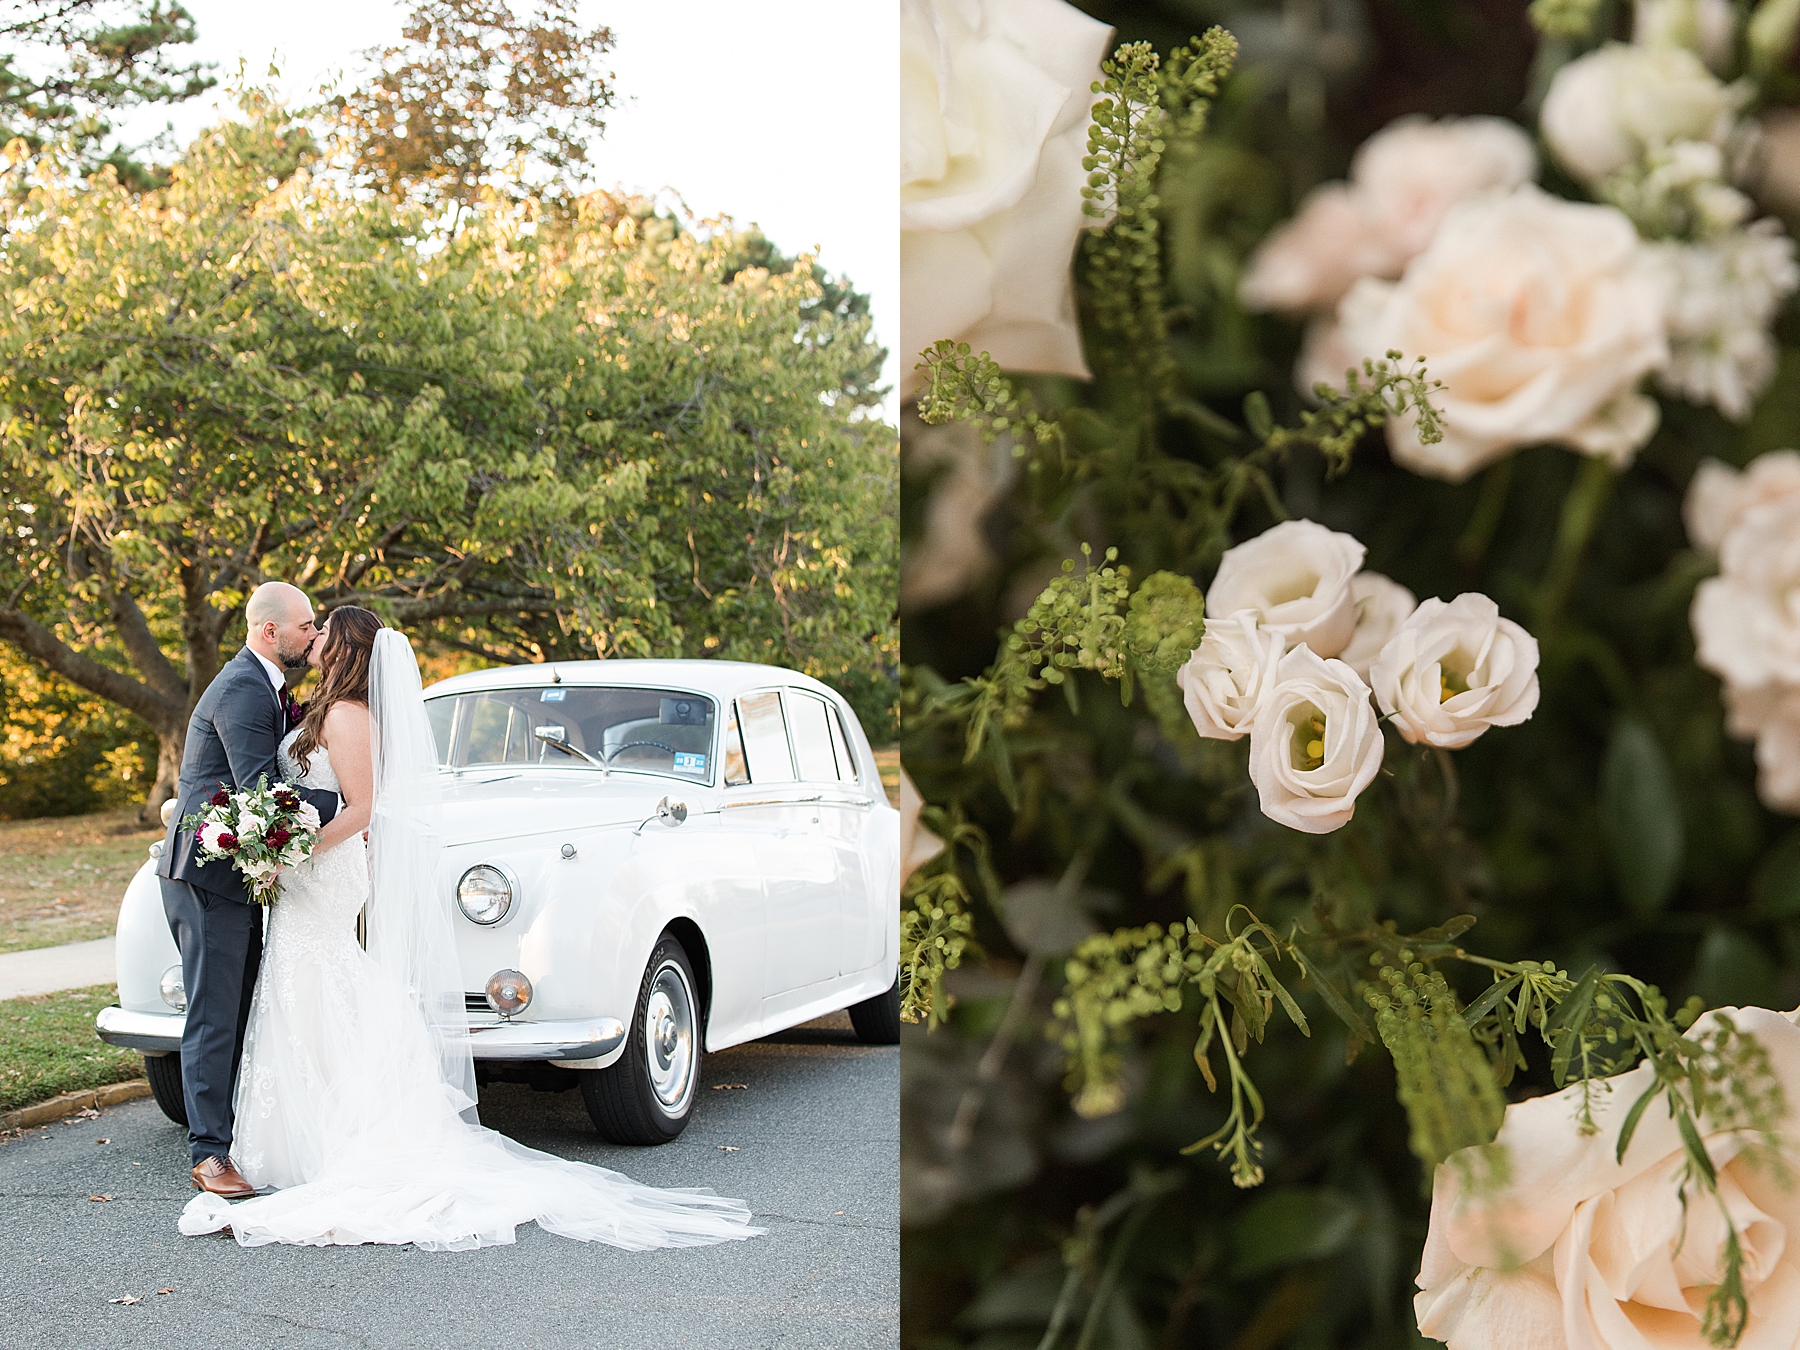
1632, 1117
1290, 1226
1642, 817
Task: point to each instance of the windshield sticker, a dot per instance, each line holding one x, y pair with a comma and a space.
554, 695
690, 763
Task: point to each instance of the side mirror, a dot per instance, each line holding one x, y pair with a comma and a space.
168, 812
671, 812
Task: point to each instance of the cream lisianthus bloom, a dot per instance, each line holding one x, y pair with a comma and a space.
1609, 109
1746, 620
1402, 182
1315, 743
1537, 317
1295, 576
1382, 605
1453, 670
1719, 495
994, 102
1705, 27
1225, 679
1581, 1249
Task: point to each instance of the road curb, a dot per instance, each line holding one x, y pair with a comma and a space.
74, 1103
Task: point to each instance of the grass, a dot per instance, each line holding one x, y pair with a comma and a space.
61, 879
48, 1047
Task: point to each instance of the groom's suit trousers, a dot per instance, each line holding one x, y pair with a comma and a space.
221, 950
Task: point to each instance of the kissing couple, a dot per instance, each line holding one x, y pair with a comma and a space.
330, 1090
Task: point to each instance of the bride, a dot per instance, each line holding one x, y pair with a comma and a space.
356, 1100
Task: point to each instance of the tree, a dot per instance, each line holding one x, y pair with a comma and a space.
69, 65
519, 441
478, 92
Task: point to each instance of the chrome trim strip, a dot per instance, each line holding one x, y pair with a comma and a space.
775, 801
160, 1034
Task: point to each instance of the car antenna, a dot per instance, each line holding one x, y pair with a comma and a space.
555, 675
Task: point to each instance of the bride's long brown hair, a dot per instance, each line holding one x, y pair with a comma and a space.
344, 664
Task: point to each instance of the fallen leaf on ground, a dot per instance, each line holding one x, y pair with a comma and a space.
103, 1141
99, 1197
169, 1290
129, 1298
726, 1087
837, 1213
727, 1148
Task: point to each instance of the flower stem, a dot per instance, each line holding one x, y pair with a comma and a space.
1581, 511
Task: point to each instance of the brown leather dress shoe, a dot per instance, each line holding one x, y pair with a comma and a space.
221, 1177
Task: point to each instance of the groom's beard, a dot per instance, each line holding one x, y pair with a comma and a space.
291, 658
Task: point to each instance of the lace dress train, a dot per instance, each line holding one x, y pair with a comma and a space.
342, 1109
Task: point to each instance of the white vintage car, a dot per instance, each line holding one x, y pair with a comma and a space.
648, 857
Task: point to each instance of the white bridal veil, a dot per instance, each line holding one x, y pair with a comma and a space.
410, 928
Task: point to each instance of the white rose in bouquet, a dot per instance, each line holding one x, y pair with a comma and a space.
250, 825
1606, 110
1295, 577
918, 845
308, 816
1778, 756
1746, 620
1225, 679
1455, 669
1402, 182
1315, 743
1719, 495
1579, 1248
993, 127
1382, 605
209, 835
1538, 318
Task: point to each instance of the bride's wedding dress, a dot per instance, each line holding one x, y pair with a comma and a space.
342, 1107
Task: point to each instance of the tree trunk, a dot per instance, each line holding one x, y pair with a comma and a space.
171, 740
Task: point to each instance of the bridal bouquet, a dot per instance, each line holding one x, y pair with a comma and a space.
1297, 407
259, 829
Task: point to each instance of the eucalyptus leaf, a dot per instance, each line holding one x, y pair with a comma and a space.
1642, 817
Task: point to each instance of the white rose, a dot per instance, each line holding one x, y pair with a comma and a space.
1608, 109
1579, 1249
1315, 743
1746, 620
1454, 670
1719, 297
307, 816
1719, 495
969, 478
1705, 27
1295, 576
1778, 756
1537, 317
250, 825
1402, 182
208, 835
1382, 606
994, 103
1228, 674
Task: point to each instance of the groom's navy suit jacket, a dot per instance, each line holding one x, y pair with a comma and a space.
232, 738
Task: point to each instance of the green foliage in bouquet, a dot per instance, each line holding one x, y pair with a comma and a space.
1116, 959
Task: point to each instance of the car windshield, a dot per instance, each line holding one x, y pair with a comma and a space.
661, 731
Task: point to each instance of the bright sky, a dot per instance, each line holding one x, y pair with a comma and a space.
783, 113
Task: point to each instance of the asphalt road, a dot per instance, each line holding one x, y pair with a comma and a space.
815, 1134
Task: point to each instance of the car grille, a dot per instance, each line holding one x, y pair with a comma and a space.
476, 1003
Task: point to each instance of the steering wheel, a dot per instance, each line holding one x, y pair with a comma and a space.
629, 744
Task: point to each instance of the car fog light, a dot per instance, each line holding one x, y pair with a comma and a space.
174, 992
485, 894
508, 992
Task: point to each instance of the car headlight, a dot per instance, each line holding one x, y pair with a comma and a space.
174, 992
486, 894
508, 992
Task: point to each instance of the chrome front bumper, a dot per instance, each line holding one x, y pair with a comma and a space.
160, 1034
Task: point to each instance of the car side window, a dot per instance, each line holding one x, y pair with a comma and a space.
840, 746
808, 719
765, 737
736, 771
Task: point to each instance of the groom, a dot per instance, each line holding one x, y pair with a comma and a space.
231, 739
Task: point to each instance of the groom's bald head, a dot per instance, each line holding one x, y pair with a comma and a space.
280, 620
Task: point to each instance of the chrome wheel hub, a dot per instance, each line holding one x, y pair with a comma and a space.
670, 1054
